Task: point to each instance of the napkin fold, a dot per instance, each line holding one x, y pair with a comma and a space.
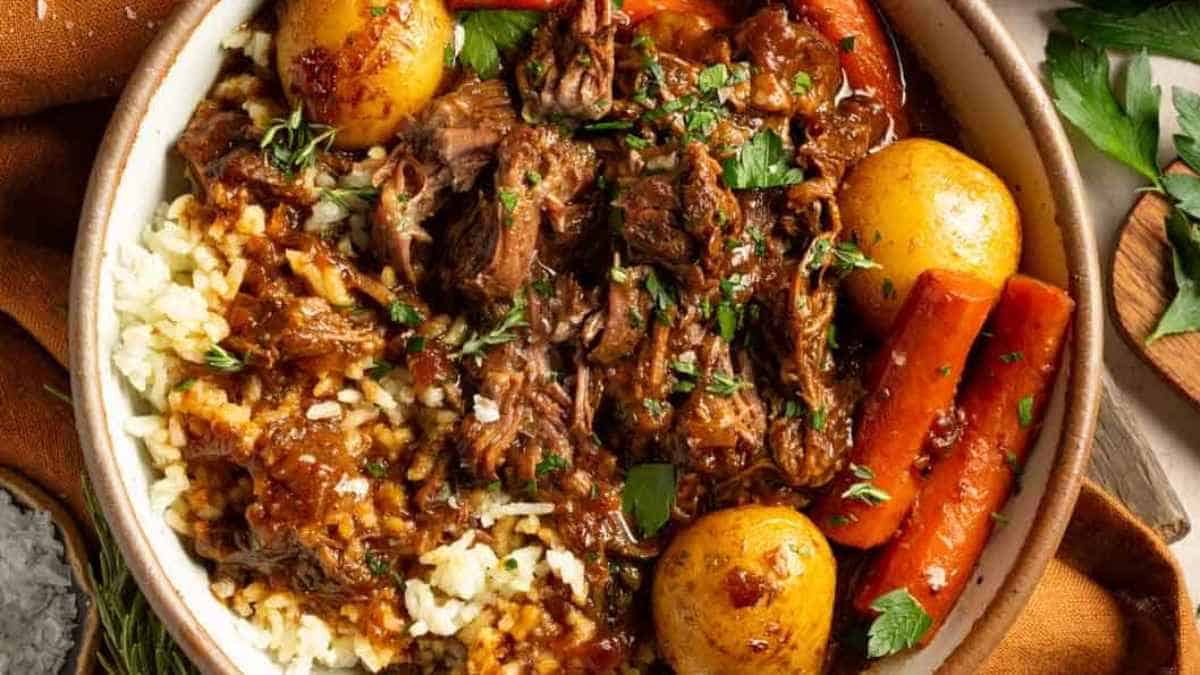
1112, 601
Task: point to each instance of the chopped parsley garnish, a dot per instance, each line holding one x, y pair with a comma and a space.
801, 83
291, 143
477, 344
609, 125
508, 201
1025, 411
551, 462
944, 371
793, 409
888, 289
184, 384
846, 44
377, 565
377, 469
847, 257
685, 368
648, 496
535, 69
712, 78
653, 406
867, 493
817, 418
510, 564
635, 318
636, 142
727, 320
404, 314
1011, 357
831, 337
379, 369
219, 359
725, 385
493, 486
488, 32
761, 163
618, 274
415, 344
662, 295
862, 472
900, 624
760, 241
533, 178
378, 11
543, 287
839, 520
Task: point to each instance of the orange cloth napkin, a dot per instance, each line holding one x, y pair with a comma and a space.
1113, 601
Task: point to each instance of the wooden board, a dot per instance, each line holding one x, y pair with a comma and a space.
1142, 287
1123, 463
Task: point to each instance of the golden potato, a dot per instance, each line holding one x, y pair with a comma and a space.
362, 65
745, 590
917, 205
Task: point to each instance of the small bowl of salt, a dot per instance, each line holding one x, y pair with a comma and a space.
48, 619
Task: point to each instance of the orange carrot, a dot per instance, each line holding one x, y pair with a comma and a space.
716, 12
867, 54
912, 380
1003, 399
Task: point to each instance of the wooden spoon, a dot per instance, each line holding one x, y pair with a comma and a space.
81, 660
1142, 287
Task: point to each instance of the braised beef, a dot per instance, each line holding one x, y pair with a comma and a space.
569, 70
795, 70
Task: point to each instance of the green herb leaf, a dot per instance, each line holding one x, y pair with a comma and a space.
610, 125
653, 406
801, 83
503, 331
543, 287
1025, 411
817, 418
1185, 190
404, 314
1187, 144
1183, 314
862, 472
219, 359
648, 496
1171, 29
377, 565
488, 32
135, 640
415, 344
1011, 357
847, 43
727, 320
761, 163
725, 385
290, 144
350, 198
867, 493
712, 78
847, 257
57, 393
1079, 78
376, 469
636, 142
379, 369
551, 462
685, 368
184, 384
900, 624
661, 294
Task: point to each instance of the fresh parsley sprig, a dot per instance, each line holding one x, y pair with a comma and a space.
900, 624
220, 359
648, 496
1172, 29
761, 163
487, 32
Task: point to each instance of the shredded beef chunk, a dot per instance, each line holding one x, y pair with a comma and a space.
445, 150
569, 70
539, 175
795, 70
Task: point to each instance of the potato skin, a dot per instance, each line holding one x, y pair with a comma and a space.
919, 204
361, 73
745, 590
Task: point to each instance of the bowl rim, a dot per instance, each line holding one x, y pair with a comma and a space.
1063, 484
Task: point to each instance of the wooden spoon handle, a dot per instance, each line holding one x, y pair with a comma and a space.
1123, 463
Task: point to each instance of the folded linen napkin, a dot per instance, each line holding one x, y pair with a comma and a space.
1113, 601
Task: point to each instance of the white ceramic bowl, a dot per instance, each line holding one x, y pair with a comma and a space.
1007, 121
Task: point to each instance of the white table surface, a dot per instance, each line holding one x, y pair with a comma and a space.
1170, 422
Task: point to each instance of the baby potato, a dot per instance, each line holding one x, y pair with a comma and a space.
362, 66
745, 590
919, 204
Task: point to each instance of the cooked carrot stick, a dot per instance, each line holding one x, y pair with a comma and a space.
912, 380
867, 54
1003, 398
715, 12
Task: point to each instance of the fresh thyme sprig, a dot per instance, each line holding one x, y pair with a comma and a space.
135, 641
503, 332
290, 144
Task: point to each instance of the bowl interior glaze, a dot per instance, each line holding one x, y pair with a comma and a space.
1007, 123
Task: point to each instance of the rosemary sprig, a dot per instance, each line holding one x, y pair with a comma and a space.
135, 641
350, 198
290, 144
